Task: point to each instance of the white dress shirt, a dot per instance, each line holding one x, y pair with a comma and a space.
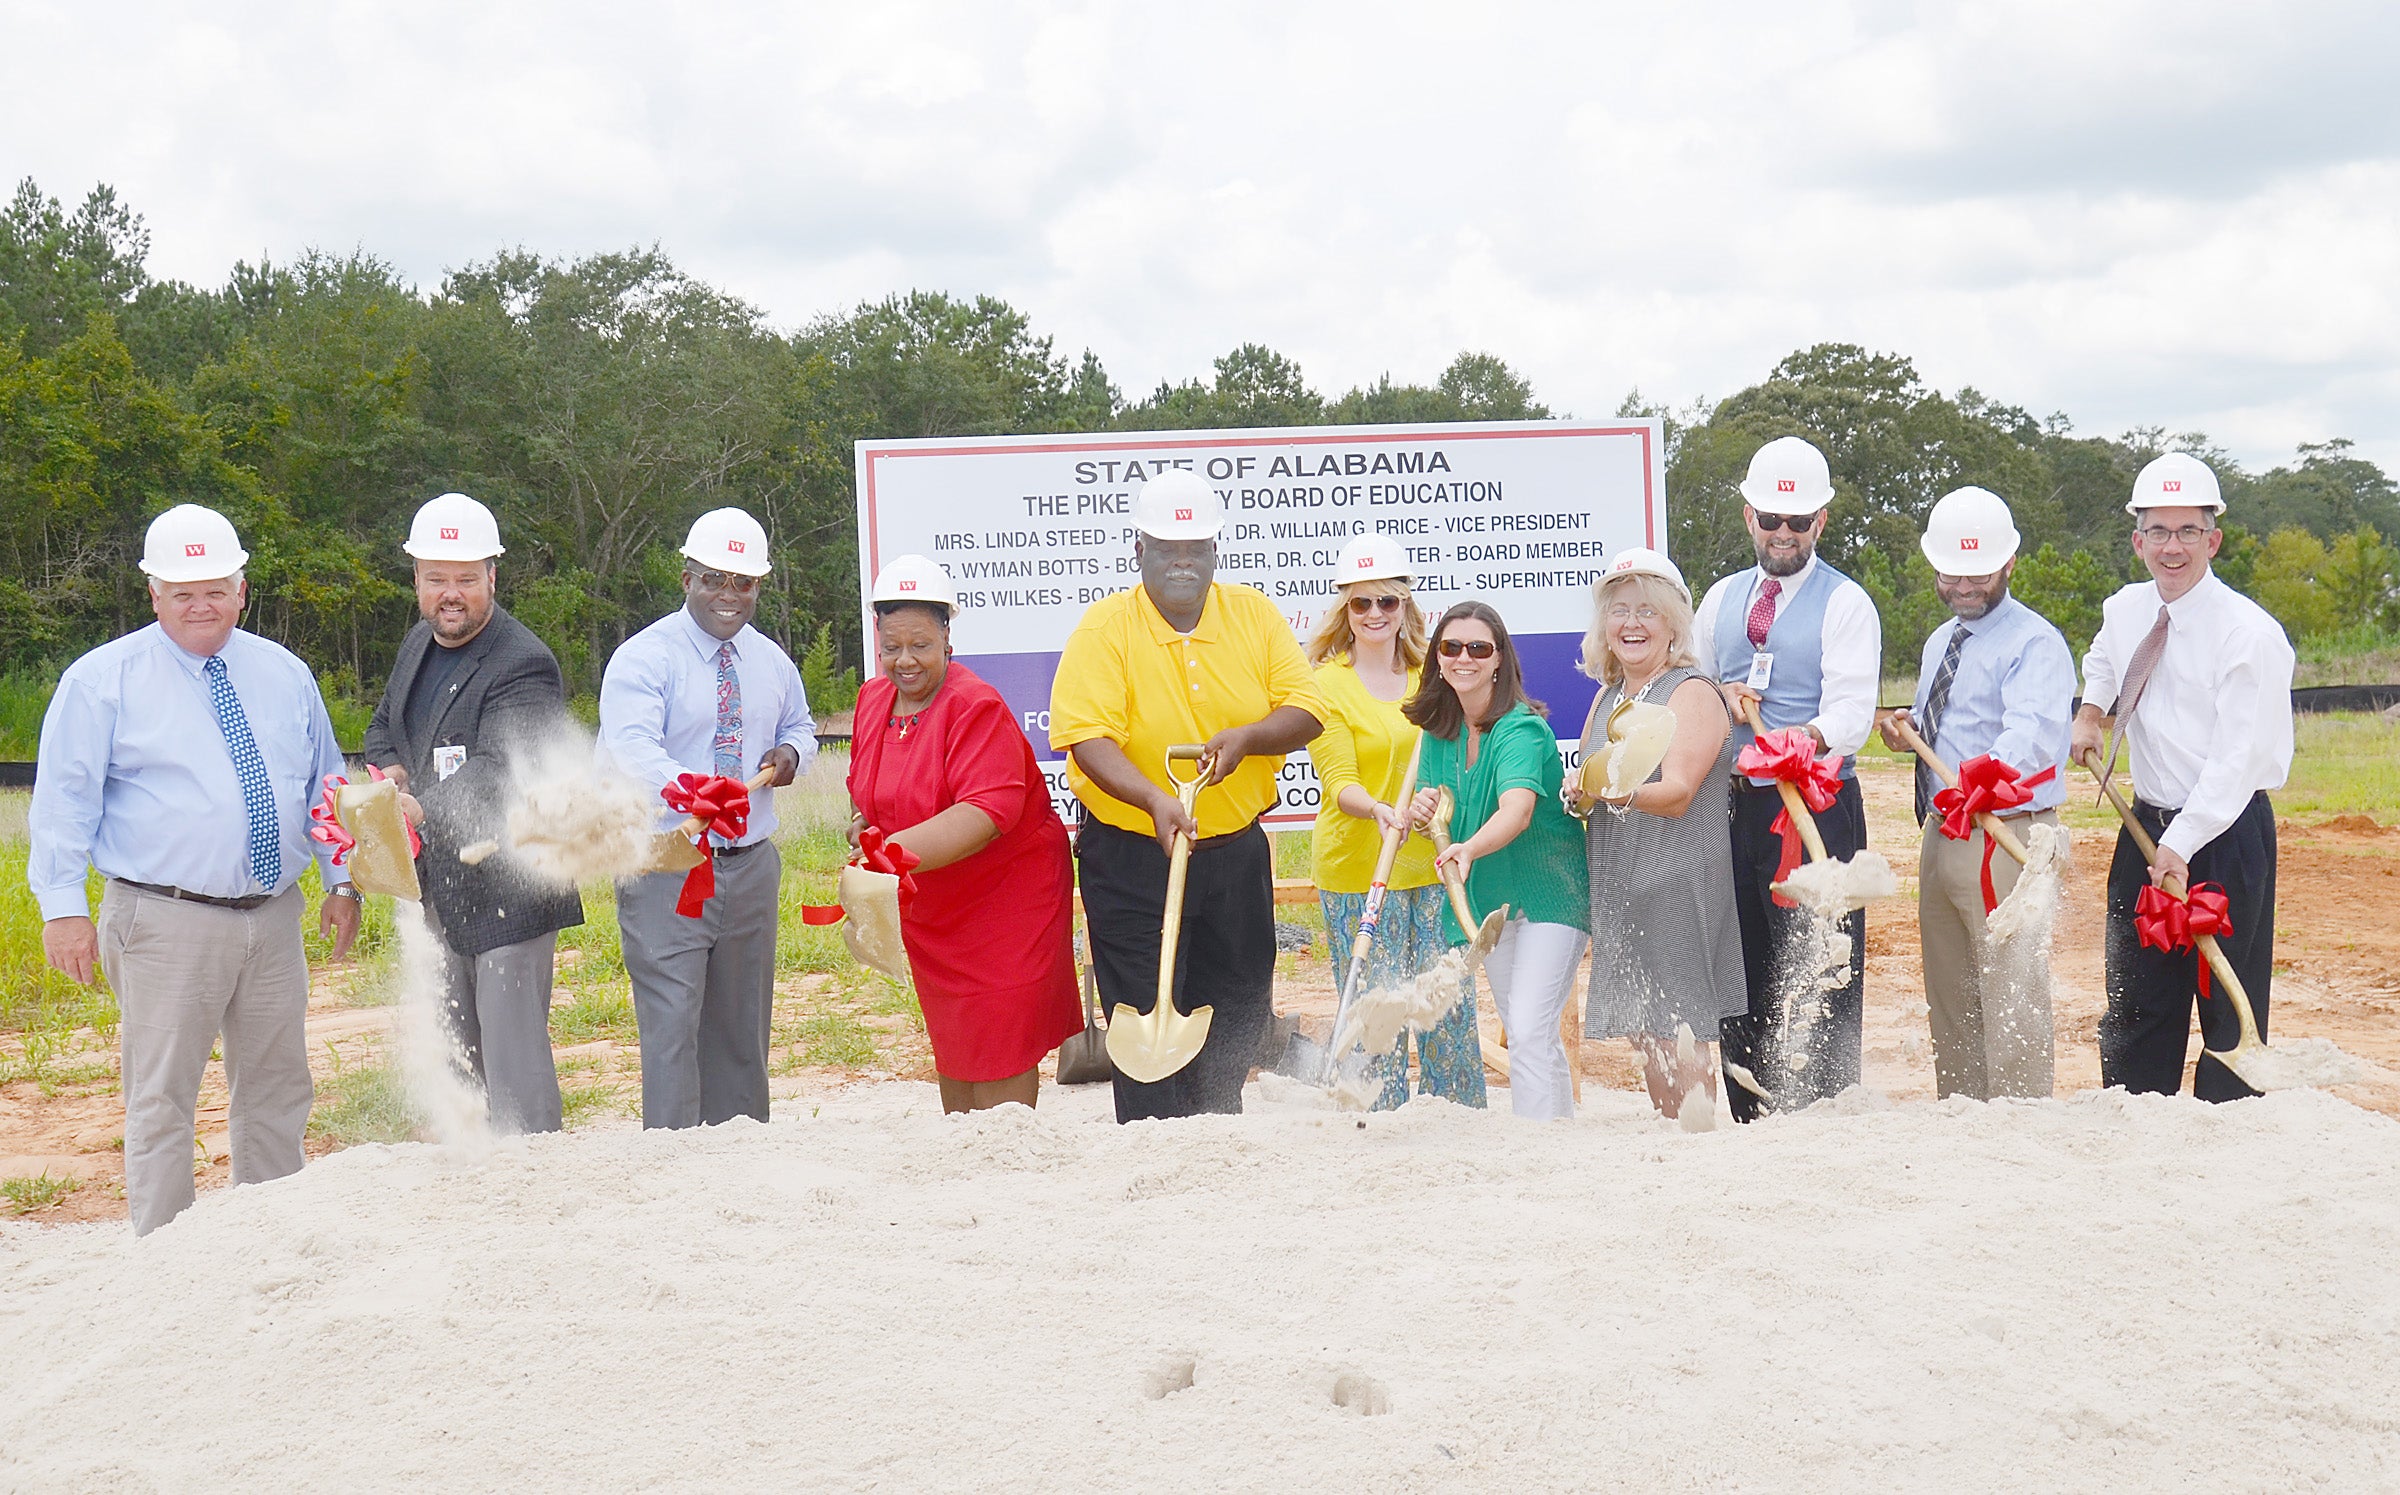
658, 708
2214, 726
2010, 697
136, 780
1851, 656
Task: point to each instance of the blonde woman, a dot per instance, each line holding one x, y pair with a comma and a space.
1368, 653
1666, 947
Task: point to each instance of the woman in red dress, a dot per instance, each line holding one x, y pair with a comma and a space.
938, 762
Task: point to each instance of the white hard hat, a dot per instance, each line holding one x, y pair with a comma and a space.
453, 527
1371, 558
728, 540
1788, 476
913, 578
190, 543
2177, 480
1969, 533
1177, 505
1640, 560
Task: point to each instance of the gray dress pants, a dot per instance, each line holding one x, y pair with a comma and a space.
498, 1008
703, 989
183, 973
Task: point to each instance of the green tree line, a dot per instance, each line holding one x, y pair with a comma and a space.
599, 404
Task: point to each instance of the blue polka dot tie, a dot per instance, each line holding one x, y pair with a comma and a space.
266, 846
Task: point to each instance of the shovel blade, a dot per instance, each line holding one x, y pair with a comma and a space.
672, 853
379, 862
1149, 1046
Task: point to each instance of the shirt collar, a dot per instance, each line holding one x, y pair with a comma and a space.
703, 641
1164, 632
2195, 599
194, 665
1791, 583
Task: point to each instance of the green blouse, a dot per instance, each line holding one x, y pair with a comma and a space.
1542, 875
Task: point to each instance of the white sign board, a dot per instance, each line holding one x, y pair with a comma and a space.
1034, 529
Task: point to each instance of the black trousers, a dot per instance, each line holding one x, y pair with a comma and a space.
1774, 948
1224, 954
2148, 1026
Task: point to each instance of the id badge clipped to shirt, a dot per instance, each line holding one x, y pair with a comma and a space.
1762, 669
448, 760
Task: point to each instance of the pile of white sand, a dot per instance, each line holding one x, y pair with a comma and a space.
2107, 1292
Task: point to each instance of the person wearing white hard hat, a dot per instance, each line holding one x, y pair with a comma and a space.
940, 769
2198, 679
1995, 690
1368, 653
1666, 942
1182, 658
701, 693
1801, 643
471, 693
180, 761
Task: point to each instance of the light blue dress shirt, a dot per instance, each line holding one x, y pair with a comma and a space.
2010, 698
658, 708
134, 777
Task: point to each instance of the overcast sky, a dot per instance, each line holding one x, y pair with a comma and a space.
2183, 214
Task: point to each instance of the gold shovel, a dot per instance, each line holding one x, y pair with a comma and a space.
2250, 1047
1991, 825
677, 850
379, 859
1486, 934
1879, 883
1149, 1046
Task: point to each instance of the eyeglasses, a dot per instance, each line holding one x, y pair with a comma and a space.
1480, 648
1364, 605
2190, 534
1623, 612
1793, 522
723, 581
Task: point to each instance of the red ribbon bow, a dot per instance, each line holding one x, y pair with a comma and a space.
1790, 754
326, 827
1986, 786
2167, 923
723, 808
877, 853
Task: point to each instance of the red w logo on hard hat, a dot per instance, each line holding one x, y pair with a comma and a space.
1787, 485
448, 533
1183, 514
735, 546
908, 586
1970, 543
1365, 561
2171, 485
199, 549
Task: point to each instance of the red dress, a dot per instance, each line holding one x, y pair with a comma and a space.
990, 937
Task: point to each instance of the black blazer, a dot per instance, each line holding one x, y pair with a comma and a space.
505, 696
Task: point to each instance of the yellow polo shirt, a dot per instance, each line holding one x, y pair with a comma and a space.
1365, 742
1128, 676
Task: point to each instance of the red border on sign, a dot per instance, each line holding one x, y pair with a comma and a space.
1038, 447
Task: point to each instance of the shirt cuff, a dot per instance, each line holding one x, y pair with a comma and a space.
65, 903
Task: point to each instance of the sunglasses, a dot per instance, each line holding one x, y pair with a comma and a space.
722, 581
1793, 522
1364, 605
1481, 648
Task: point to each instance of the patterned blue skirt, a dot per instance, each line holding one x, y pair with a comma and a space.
1408, 940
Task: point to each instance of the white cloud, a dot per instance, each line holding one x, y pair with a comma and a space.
2138, 213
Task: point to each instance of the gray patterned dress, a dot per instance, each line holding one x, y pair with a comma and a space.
1666, 948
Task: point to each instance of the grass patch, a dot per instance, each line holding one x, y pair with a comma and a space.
589, 1102
595, 1012
25, 1195
363, 1103
2343, 762
825, 1040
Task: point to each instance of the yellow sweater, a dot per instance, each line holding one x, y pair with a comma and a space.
1365, 742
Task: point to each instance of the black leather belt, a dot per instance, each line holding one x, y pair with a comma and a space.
727, 853
239, 905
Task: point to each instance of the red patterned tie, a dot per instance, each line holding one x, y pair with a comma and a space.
1762, 612
2137, 675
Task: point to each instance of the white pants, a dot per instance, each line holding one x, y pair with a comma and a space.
1532, 971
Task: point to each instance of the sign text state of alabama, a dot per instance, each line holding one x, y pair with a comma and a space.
1034, 529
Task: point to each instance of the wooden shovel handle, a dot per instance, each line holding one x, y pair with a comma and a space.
1985, 819
1793, 804
2174, 888
692, 823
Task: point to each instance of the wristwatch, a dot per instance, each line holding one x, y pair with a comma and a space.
346, 890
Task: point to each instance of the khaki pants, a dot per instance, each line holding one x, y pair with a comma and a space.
183, 973
1991, 1030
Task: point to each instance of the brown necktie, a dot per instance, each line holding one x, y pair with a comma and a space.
2137, 675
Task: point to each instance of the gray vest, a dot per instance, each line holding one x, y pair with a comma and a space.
1796, 688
